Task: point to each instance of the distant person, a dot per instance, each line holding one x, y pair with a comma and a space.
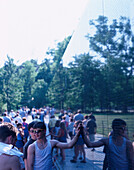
78, 116
61, 114
22, 113
79, 146
91, 127
20, 137
12, 114
42, 114
120, 150
92, 116
25, 128
40, 152
6, 118
70, 128
18, 118
51, 124
52, 111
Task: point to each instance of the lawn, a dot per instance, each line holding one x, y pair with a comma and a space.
104, 123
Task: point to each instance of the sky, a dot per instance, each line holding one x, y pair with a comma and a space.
29, 27
112, 9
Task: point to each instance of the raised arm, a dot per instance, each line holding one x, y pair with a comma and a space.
30, 157
101, 142
66, 145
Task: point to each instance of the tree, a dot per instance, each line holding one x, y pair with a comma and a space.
114, 43
27, 78
11, 86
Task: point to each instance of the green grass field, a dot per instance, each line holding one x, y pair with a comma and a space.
104, 123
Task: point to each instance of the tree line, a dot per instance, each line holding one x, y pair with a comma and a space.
101, 79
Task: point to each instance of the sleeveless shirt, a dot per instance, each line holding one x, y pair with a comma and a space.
117, 156
43, 157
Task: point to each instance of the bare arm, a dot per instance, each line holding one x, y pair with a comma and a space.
101, 142
65, 145
25, 161
30, 157
130, 154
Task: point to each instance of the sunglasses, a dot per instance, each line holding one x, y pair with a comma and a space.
32, 131
38, 131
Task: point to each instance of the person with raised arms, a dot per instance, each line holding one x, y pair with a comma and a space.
40, 152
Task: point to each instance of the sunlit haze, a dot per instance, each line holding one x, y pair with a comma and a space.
29, 27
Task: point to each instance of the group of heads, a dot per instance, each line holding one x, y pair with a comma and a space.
8, 133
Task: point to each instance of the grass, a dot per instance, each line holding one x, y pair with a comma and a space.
104, 123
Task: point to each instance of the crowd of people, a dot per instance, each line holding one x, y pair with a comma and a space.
26, 146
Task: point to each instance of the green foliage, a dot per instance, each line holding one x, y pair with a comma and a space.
88, 83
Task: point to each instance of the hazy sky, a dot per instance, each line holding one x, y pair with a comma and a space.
29, 27
113, 9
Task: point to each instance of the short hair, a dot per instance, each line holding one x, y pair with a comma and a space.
1, 119
24, 119
79, 111
40, 125
117, 123
7, 129
19, 124
30, 125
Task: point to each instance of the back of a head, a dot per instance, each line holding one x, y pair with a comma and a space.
39, 125
24, 119
1, 120
79, 111
117, 123
7, 129
57, 124
5, 114
62, 125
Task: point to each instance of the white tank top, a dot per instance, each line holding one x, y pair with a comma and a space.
43, 157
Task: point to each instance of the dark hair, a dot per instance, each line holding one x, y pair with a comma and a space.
57, 124
79, 111
19, 124
24, 119
1, 119
30, 125
7, 129
40, 125
117, 123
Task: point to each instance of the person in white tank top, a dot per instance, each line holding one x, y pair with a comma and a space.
40, 152
120, 150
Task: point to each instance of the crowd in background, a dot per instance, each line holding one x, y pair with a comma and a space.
62, 127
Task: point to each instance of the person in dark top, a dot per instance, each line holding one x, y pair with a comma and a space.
32, 138
91, 129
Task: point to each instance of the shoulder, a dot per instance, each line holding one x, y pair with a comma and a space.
31, 146
53, 143
129, 143
105, 141
14, 158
